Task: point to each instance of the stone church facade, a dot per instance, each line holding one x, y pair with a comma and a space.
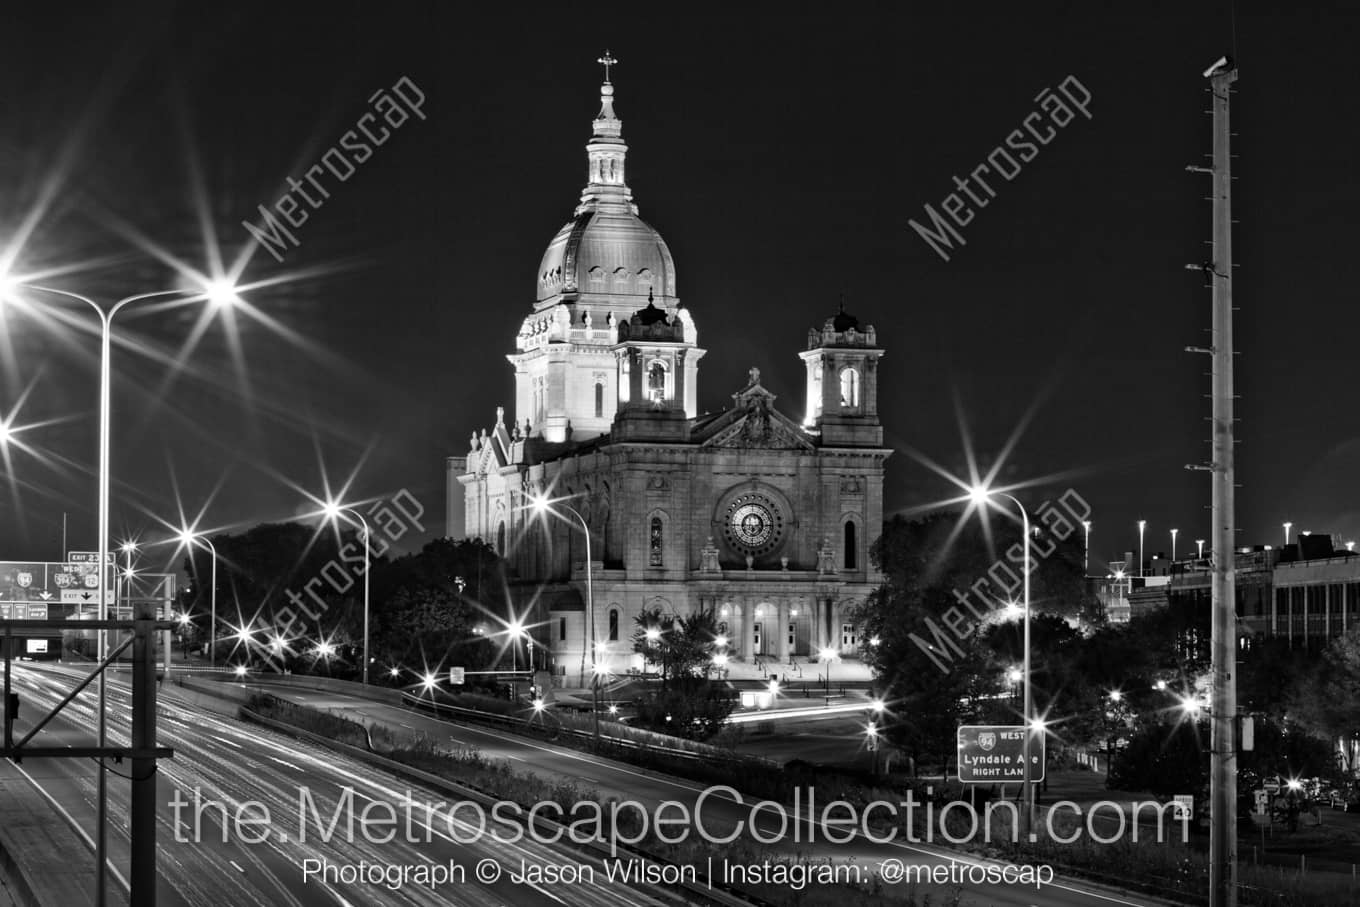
762, 518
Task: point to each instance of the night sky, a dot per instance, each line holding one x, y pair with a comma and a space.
780, 151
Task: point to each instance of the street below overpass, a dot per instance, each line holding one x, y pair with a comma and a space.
721, 813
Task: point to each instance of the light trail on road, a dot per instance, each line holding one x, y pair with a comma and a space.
233, 762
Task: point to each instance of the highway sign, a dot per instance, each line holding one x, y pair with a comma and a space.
49, 585
85, 596
995, 754
88, 557
456, 676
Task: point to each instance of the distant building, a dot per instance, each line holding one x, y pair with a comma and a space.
1307, 592
1124, 595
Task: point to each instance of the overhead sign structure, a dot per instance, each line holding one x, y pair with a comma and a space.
995, 754
28, 583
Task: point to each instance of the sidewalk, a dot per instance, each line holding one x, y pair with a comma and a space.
43, 863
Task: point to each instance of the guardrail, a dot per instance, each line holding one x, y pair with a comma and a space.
513, 723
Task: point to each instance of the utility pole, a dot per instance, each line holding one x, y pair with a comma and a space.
1223, 755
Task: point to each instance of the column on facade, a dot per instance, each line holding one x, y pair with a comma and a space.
782, 627
748, 644
833, 624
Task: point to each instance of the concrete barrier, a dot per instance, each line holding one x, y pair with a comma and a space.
386, 695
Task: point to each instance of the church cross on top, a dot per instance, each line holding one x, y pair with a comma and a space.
608, 61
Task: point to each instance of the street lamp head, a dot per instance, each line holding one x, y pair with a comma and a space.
720, 659
538, 705
221, 293
877, 705
653, 634
1142, 524
720, 641
539, 504
240, 670
185, 619
1015, 675
128, 547
979, 495
515, 628
394, 672
429, 680
325, 649
826, 654
1116, 695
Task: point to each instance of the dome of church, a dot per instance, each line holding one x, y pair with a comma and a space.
606, 249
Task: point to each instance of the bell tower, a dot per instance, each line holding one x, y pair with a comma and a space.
842, 383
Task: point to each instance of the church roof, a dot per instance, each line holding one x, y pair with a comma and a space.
606, 249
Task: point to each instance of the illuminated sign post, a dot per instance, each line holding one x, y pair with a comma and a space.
995, 754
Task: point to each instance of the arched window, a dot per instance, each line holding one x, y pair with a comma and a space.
625, 386
613, 624
851, 548
500, 540
657, 538
656, 380
849, 387
599, 399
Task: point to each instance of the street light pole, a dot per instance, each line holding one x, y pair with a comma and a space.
1142, 524
188, 538
542, 504
337, 511
105, 381
981, 496
1173, 545
1086, 557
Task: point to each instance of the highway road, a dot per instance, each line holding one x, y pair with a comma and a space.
232, 762
721, 815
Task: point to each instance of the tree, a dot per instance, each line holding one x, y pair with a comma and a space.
1326, 700
688, 704
430, 604
300, 584
1164, 756
680, 647
940, 661
692, 707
